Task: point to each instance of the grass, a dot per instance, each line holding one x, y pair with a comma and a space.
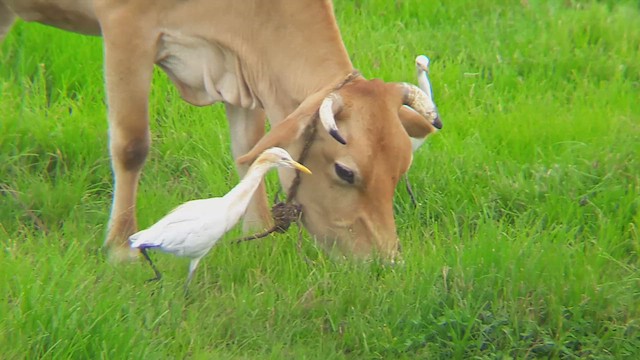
525, 243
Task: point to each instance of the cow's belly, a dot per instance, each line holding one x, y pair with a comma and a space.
204, 72
72, 15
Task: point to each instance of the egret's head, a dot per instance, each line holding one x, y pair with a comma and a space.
279, 157
422, 63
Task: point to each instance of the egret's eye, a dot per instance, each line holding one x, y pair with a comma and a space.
344, 173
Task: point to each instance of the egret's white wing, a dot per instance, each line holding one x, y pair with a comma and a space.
185, 228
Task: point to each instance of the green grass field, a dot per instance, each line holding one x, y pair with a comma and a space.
525, 243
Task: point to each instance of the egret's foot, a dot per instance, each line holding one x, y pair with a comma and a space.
143, 251
157, 278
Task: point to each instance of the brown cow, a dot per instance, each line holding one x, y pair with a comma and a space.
277, 58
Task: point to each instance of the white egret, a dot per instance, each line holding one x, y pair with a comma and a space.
191, 229
422, 70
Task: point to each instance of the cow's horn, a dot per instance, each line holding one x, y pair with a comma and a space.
421, 103
331, 105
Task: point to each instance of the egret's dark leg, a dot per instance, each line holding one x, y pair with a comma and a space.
153, 266
409, 190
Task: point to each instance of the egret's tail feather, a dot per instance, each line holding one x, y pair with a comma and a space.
145, 246
139, 241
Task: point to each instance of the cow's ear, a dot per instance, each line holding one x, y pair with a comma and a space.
416, 125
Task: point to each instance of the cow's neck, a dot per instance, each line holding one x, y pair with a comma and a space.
295, 50
294, 60
282, 95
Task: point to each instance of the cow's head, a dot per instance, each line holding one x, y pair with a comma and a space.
357, 162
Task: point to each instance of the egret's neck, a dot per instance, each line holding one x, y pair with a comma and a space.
242, 193
424, 84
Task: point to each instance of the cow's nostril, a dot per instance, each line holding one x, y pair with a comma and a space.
437, 123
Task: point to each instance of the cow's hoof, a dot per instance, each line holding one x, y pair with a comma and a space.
123, 254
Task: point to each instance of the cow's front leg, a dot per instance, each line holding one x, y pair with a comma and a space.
247, 128
129, 60
7, 17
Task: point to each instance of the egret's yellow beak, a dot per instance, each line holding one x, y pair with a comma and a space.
300, 167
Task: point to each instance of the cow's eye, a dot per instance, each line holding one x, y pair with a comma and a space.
344, 173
